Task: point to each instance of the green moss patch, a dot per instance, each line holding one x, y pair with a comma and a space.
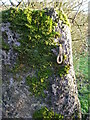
45, 114
5, 46
63, 17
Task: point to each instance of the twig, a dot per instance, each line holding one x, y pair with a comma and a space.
4, 4
77, 12
14, 4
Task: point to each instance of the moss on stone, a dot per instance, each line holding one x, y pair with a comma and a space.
63, 17
37, 38
5, 46
45, 114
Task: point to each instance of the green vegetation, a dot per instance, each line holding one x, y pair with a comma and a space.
44, 114
81, 70
5, 46
40, 81
37, 39
63, 17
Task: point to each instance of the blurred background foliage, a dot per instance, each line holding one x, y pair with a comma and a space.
77, 13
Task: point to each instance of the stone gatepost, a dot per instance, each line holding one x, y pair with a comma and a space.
65, 95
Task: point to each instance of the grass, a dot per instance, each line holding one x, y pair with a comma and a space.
81, 70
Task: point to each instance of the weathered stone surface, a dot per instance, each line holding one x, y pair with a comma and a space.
65, 97
17, 99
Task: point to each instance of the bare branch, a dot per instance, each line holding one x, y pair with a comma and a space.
19, 3
14, 4
4, 4
77, 12
11, 3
